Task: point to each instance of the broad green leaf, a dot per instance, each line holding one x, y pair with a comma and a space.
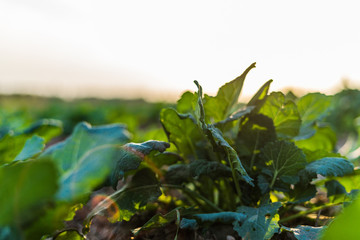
13, 142
181, 173
350, 181
32, 147
211, 169
302, 192
335, 191
260, 96
219, 142
306, 232
261, 223
25, 189
187, 102
284, 114
178, 174
318, 154
11, 146
313, 106
165, 158
52, 220
346, 225
86, 158
143, 188
324, 139
45, 128
131, 155
182, 131
255, 131
330, 167
218, 108
283, 158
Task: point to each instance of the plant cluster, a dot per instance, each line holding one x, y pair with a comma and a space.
249, 166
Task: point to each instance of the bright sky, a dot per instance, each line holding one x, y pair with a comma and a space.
155, 49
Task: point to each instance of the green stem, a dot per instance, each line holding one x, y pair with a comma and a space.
274, 179
303, 213
195, 195
234, 174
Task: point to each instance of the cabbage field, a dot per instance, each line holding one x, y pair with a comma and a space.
279, 166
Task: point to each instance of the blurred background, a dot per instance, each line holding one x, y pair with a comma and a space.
155, 49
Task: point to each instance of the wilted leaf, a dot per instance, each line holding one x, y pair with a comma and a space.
261, 223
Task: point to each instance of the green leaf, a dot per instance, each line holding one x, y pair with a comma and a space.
218, 141
235, 116
86, 158
33, 146
26, 188
187, 102
260, 96
306, 232
284, 114
178, 174
211, 169
183, 131
324, 139
143, 188
346, 225
334, 188
330, 167
131, 155
255, 131
218, 108
45, 128
313, 106
283, 158
261, 223
302, 192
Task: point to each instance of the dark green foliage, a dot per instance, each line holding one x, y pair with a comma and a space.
260, 223
330, 167
250, 166
24, 194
